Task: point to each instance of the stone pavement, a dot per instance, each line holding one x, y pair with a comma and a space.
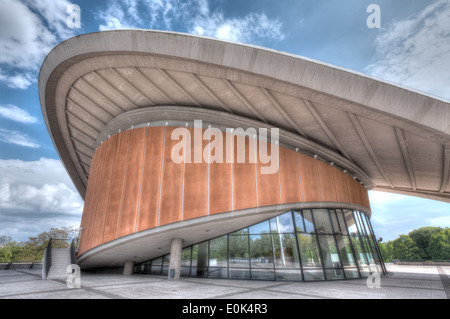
403, 282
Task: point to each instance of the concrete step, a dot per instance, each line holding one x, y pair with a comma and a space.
60, 261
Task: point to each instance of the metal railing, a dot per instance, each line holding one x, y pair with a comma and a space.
73, 256
48, 257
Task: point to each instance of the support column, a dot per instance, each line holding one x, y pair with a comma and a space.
128, 268
175, 259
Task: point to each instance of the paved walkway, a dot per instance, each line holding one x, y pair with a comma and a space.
403, 282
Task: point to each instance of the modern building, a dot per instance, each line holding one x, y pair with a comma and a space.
125, 108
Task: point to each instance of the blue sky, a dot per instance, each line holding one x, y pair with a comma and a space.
412, 48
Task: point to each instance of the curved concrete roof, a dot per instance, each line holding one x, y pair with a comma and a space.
390, 138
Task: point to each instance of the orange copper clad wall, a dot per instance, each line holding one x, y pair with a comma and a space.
134, 185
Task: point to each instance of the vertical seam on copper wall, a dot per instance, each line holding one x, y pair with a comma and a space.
161, 176
142, 178
123, 185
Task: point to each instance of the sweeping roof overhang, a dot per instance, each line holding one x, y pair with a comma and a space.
388, 137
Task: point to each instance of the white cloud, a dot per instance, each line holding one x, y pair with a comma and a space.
195, 16
17, 138
28, 31
35, 196
415, 52
16, 114
18, 81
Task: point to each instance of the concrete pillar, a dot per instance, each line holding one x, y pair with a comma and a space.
128, 268
175, 259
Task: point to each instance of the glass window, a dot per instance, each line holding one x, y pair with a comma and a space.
351, 223
263, 274
329, 252
261, 253
156, 266
214, 272
318, 244
238, 250
308, 219
238, 273
186, 257
309, 251
218, 252
335, 222
298, 219
165, 268
287, 274
361, 258
347, 257
242, 231
285, 250
334, 274
359, 223
322, 221
261, 228
340, 216
282, 223
313, 274
345, 251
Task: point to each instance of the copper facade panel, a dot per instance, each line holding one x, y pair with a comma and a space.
244, 180
289, 176
195, 184
151, 179
268, 184
220, 186
104, 191
327, 182
309, 178
117, 186
135, 185
130, 204
172, 184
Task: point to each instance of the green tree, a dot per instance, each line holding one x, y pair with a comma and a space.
422, 237
386, 251
5, 254
405, 248
439, 245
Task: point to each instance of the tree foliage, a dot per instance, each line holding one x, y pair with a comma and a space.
425, 243
33, 249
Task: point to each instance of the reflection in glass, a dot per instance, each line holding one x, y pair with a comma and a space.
218, 252
261, 228
308, 219
156, 266
285, 250
309, 251
298, 219
165, 268
296, 245
329, 251
351, 223
261, 251
322, 221
282, 224
238, 250
340, 216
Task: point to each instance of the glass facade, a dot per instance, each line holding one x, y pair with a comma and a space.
299, 245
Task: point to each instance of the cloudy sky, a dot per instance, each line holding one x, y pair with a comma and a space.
411, 48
